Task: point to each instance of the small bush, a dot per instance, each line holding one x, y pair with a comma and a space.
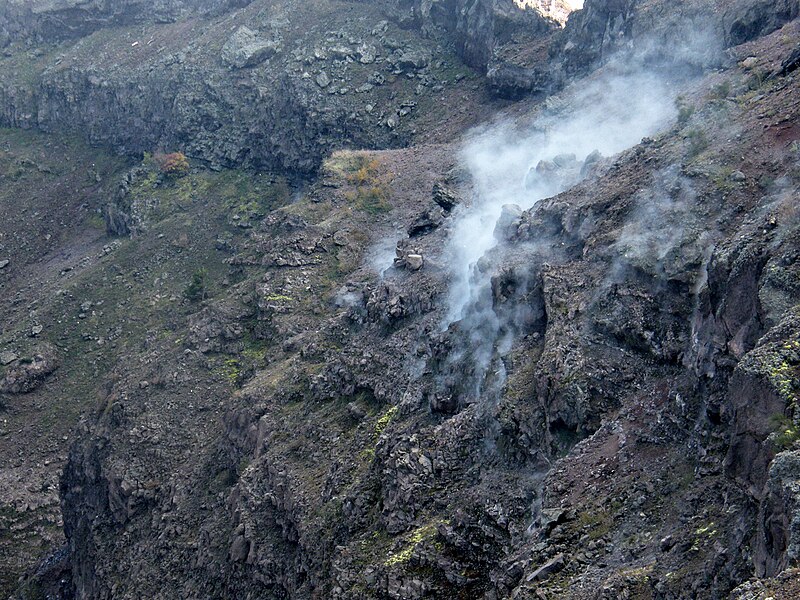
787, 433
698, 142
371, 199
722, 90
758, 79
364, 174
198, 287
174, 164
685, 110
364, 170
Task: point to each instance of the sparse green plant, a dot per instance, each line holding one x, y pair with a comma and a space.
685, 110
364, 173
787, 432
421, 534
697, 142
722, 180
232, 369
758, 78
722, 90
597, 523
364, 170
371, 200
198, 286
385, 419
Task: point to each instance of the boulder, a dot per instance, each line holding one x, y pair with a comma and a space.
445, 197
509, 221
745, 20
790, 64
778, 538
426, 222
7, 357
414, 262
552, 566
27, 375
513, 82
246, 48
412, 60
323, 80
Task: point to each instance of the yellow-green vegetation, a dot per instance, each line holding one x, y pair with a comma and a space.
722, 179
697, 142
368, 453
367, 178
787, 433
597, 522
637, 581
278, 298
722, 90
244, 196
782, 370
703, 534
232, 370
420, 534
685, 110
96, 221
255, 350
779, 364
708, 530
384, 420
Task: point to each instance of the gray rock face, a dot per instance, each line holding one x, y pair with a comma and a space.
25, 376
477, 27
246, 48
745, 20
61, 19
362, 456
778, 537
172, 95
514, 82
696, 36
7, 357
312, 431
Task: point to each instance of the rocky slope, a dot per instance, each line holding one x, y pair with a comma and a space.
354, 351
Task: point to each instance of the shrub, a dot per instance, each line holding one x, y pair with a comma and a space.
698, 142
722, 90
371, 199
364, 170
198, 287
363, 173
685, 110
174, 164
787, 433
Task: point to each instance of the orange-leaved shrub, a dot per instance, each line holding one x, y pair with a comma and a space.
174, 163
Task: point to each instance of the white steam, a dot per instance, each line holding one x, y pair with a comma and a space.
608, 115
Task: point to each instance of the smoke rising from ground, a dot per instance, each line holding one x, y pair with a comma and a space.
608, 116
512, 165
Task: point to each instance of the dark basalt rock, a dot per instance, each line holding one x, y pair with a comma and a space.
598, 419
62, 19
514, 82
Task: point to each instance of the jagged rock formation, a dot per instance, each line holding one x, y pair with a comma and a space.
276, 397
304, 81
46, 20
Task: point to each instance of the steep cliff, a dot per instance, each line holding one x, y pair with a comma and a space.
369, 354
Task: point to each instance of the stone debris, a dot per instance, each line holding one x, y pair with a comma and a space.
246, 48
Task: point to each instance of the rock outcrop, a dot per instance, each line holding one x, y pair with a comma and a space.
288, 382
